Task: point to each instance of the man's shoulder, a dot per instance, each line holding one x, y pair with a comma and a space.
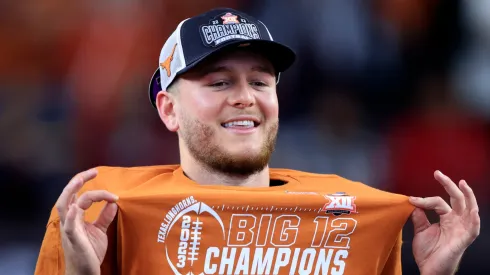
137, 170
333, 183
115, 178
310, 177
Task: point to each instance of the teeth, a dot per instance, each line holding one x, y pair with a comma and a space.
242, 123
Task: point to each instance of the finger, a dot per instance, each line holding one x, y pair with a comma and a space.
469, 195
67, 198
71, 189
419, 220
457, 196
106, 216
475, 224
432, 203
70, 222
89, 197
73, 199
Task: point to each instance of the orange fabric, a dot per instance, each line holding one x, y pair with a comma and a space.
166, 220
393, 265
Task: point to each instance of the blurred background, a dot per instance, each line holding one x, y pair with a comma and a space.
383, 92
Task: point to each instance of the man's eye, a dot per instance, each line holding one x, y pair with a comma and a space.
258, 83
219, 84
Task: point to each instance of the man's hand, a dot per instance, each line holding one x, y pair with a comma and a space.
438, 248
84, 244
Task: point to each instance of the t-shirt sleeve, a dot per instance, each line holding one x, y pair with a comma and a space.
393, 265
51, 258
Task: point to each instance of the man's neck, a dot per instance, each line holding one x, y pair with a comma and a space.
206, 176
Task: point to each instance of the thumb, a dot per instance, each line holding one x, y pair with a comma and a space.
106, 216
419, 220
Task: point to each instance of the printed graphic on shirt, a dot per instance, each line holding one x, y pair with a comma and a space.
251, 239
339, 203
300, 193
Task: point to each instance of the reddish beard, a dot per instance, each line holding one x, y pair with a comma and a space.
201, 142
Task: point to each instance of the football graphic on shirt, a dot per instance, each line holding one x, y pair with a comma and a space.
184, 237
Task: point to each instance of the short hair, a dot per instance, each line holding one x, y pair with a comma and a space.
173, 87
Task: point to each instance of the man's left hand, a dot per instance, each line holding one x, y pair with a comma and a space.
439, 247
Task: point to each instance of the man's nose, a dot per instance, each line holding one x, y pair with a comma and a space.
243, 96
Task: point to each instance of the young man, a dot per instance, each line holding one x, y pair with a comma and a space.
223, 210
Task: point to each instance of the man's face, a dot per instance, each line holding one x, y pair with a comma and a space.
227, 113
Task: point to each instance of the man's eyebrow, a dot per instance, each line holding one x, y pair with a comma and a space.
214, 69
263, 69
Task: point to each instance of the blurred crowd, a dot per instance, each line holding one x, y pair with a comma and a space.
383, 92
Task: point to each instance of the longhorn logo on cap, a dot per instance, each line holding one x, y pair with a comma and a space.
166, 64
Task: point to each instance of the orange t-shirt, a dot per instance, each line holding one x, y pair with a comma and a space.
311, 224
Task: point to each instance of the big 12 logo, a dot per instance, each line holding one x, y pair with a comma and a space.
339, 203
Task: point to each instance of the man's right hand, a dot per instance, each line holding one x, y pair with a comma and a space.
84, 244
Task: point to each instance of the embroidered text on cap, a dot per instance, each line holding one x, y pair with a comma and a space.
228, 26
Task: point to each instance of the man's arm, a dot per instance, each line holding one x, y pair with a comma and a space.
91, 201
50, 259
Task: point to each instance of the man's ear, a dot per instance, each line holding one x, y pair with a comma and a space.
165, 103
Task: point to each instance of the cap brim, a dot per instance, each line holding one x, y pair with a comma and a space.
280, 56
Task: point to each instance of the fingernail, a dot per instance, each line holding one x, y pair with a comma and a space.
116, 197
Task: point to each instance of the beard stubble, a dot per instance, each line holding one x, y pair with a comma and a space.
201, 142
